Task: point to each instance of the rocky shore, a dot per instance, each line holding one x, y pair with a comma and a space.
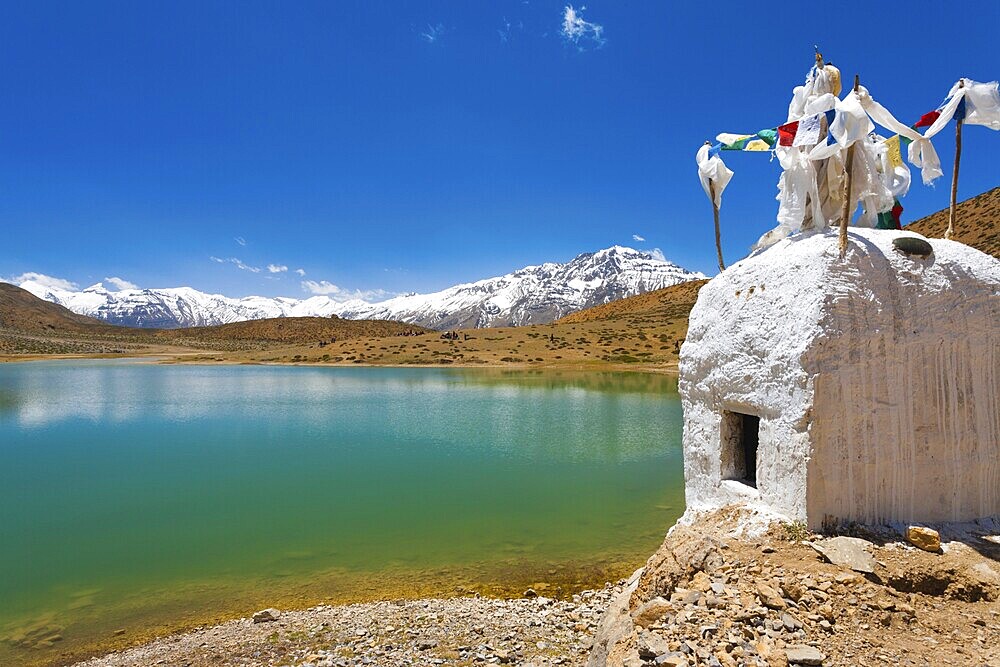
712, 595
534, 630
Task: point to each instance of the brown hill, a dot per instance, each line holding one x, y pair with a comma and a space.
30, 325
667, 304
977, 223
288, 330
23, 311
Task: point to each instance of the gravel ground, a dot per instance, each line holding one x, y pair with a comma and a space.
457, 631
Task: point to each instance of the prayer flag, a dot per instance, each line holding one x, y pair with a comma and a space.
927, 119
960, 110
762, 141
786, 133
807, 133
892, 146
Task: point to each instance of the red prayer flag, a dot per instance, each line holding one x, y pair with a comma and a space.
897, 213
786, 133
927, 119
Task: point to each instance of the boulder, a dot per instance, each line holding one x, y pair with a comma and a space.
927, 539
849, 552
770, 597
804, 655
650, 612
266, 615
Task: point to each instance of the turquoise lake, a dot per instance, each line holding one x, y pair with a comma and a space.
139, 498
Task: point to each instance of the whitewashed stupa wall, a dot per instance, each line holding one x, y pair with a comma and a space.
874, 377
906, 417
741, 354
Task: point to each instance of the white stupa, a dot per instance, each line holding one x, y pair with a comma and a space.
863, 388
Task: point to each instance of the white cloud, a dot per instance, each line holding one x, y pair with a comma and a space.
320, 287
580, 32
433, 33
301, 272
49, 282
277, 268
326, 288
636, 237
656, 253
235, 261
240, 240
120, 283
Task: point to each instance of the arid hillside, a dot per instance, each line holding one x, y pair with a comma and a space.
23, 311
977, 223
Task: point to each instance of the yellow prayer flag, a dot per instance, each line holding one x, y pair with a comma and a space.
757, 145
895, 156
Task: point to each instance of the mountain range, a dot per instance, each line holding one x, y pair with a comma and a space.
532, 295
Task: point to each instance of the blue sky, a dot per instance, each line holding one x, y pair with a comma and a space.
407, 146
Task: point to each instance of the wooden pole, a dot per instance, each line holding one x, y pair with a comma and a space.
847, 209
954, 174
715, 212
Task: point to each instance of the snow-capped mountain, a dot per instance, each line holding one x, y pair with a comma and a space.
532, 295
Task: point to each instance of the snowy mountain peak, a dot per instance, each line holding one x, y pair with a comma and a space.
531, 295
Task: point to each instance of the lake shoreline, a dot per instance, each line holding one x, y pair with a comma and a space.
532, 629
184, 359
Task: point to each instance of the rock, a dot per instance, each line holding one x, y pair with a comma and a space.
651, 645
793, 590
701, 582
912, 246
531, 593
650, 612
804, 655
769, 597
672, 660
426, 644
849, 552
790, 622
266, 615
927, 539
611, 639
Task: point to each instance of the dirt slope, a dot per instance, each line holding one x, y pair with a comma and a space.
977, 223
22, 310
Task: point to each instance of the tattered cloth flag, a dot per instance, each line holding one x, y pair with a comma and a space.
927, 119
890, 219
807, 133
786, 133
761, 141
894, 153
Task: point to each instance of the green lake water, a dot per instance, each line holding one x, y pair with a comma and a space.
146, 498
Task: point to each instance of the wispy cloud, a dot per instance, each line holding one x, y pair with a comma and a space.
49, 282
636, 237
276, 268
235, 261
579, 32
120, 283
240, 240
301, 272
326, 288
657, 254
432, 33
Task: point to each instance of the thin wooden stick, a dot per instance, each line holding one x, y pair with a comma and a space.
718, 237
848, 209
954, 175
